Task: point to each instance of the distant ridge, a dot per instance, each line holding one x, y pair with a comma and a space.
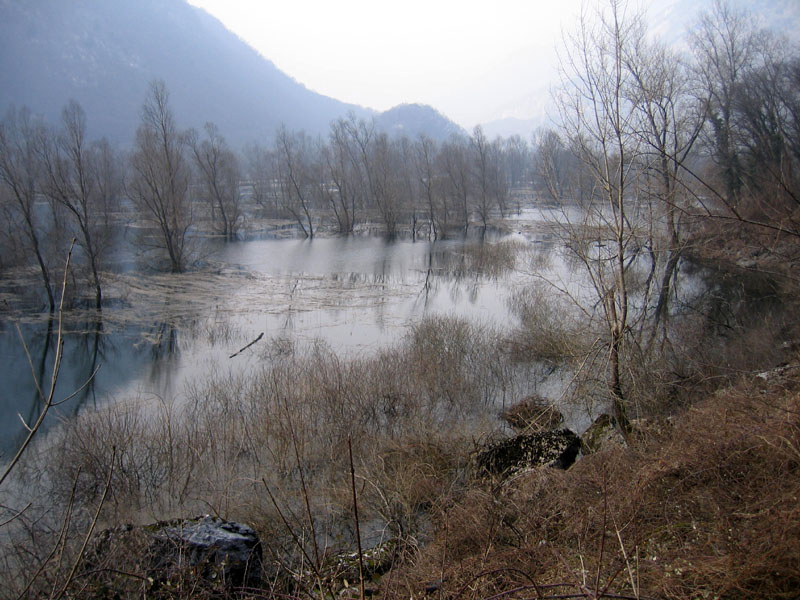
413, 119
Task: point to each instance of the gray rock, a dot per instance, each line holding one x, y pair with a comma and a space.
376, 560
217, 555
556, 448
221, 551
340, 571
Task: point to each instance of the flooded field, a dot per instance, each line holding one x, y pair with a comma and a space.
161, 331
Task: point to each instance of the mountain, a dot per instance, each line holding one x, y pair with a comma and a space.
413, 119
104, 54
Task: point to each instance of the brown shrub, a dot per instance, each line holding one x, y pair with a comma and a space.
702, 505
533, 413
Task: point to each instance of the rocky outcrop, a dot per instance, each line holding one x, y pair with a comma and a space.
556, 448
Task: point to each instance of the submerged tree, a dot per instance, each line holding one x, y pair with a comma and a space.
219, 176
82, 178
455, 166
669, 122
299, 176
479, 148
425, 167
159, 182
21, 138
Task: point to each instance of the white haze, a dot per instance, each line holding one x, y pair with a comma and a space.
475, 61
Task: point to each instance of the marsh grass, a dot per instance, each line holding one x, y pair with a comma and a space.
412, 414
492, 260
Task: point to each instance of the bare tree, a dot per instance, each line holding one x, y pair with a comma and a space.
76, 180
409, 193
345, 171
20, 173
599, 122
425, 165
517, 163
454, 163
767, 116
219, 174
749, 78
298, 178
370, 155
726, 45
670, 120
159, 183
340, 194
383, 165
109, 174
498, 175
555, 167
260, 168
479, 147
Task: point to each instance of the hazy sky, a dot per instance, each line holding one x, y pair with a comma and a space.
469, 59
475, 61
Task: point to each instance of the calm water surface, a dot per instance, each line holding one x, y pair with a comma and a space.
355, 294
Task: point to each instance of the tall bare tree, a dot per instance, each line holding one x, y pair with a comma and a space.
425, 165
219, 174
670, 120
78, 181
341, 193
21, 138
384, 166
727, 45
599, 122
160, 174
480, 171
454, 164
299, 178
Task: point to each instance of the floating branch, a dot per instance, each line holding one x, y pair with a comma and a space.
260, 335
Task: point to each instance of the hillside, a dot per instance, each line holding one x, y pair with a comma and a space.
104, 54
414, 119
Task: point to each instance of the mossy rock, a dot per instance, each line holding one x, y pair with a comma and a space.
340, 571
377, 560
602, 433
556, 448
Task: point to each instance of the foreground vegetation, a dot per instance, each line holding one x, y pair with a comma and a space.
677, 187
702, 501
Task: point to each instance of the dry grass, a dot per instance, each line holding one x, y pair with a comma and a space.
704, 505
411, 414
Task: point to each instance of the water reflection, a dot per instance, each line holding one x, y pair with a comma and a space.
89, 355
95, 362
353, 293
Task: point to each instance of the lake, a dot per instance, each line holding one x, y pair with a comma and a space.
160, 331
